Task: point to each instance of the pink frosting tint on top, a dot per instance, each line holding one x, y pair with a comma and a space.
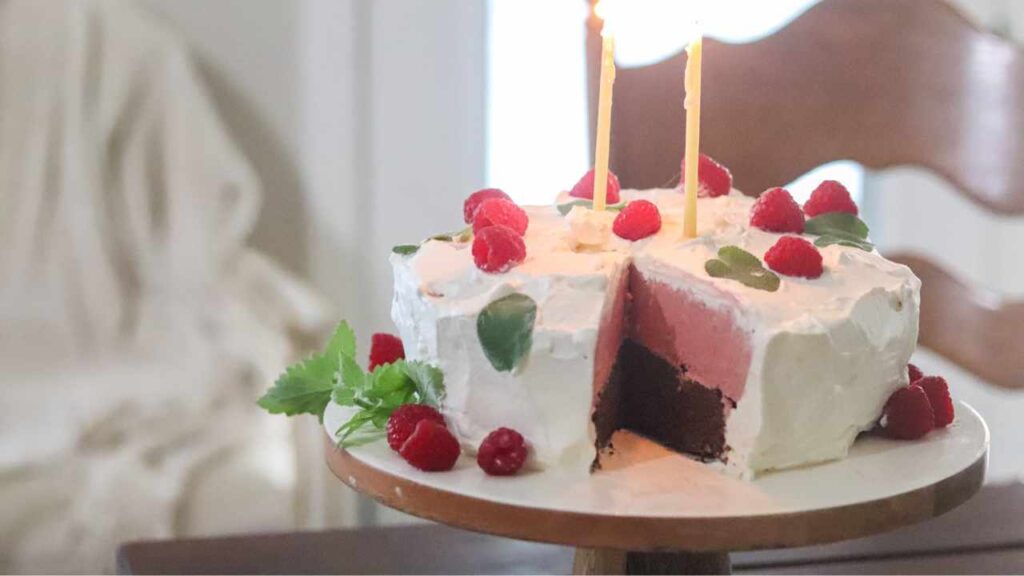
686, 331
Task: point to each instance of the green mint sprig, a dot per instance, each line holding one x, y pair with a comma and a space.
839, 228
406, 249
737, 264
307, 387
564, 209
462, 236
377, 394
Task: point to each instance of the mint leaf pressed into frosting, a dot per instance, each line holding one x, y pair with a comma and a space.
839, 228
505, 330
464, 235
406, 249
737, 264
564, 209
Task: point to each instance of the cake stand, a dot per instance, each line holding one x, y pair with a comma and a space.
649, 510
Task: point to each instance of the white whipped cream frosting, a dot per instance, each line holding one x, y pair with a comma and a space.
836, 346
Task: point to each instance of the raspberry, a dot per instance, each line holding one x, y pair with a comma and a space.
830, 196
431, 447
404, 419
938, 396
502, 453
792, 256
908, 414
715, 179
497, 249
914, 373
470, 206
776, 211
385, 349
500, 212
585, 188
638, 220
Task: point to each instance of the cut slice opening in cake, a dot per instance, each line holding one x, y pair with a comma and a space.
680, 367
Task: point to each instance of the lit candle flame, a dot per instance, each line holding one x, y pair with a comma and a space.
605, 11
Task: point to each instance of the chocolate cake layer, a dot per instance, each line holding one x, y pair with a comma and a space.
651, 397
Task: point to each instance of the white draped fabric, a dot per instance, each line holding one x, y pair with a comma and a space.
136, 328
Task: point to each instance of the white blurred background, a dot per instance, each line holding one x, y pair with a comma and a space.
366, 123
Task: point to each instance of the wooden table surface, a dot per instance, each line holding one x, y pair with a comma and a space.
984, 536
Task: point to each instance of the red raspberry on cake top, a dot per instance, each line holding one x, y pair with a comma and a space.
908, 414
638, 220
385, 349
776, 211
472, 204
404, 419
792, 256
585, 188
500, 212
938, 396
715, 179
431, 447
502, 453
830, 196
496, 249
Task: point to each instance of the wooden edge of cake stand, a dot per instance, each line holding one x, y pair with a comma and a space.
644, 544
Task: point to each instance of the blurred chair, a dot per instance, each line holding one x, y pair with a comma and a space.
878, 82
137, 327
884, 84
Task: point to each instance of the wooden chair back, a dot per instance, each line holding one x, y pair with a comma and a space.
879, 82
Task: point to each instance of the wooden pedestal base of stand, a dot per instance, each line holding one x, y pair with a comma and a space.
602, 561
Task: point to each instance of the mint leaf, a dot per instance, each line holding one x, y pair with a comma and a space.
850, 241
832, 222
505, 330
737, 264
717, 269
304, 388
739, 259
343, 342
352, 383
564, 209
464, 235
428, 381
839, 228
406, 249
380, 392
389, 386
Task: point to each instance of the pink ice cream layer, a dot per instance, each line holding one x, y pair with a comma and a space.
684, 330
613, 330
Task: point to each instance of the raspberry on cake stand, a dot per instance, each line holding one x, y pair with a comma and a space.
652, 511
